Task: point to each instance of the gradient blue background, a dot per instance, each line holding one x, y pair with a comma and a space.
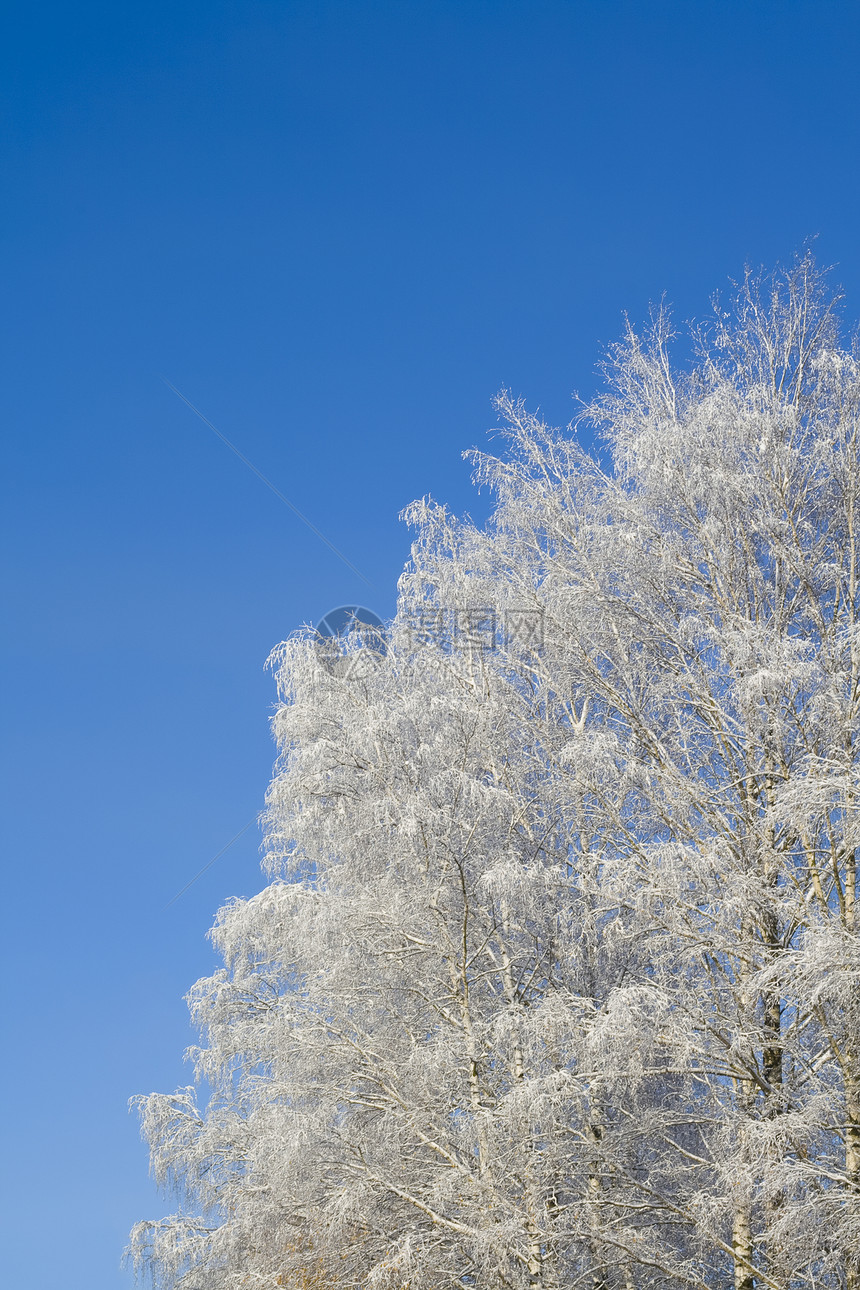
338, 228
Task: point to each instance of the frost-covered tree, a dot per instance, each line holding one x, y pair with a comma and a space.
556, 980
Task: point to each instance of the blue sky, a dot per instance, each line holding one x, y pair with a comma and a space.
338, 229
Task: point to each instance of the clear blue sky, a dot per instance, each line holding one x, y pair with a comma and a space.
338, 228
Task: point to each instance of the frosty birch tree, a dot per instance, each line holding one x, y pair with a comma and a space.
556, 980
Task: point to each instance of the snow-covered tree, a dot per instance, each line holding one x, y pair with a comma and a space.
556, 979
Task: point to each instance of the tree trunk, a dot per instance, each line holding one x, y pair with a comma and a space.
742, 1247
852, 1170
599, 1278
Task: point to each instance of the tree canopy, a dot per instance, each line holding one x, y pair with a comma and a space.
555, 980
